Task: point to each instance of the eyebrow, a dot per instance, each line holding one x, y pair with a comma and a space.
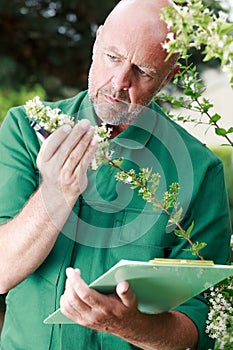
151, 70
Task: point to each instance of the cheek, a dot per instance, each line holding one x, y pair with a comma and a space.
98, 76
142, 96
134, 96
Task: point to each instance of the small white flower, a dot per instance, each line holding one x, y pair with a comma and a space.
48, 118
170, 36
129, 179
94, 165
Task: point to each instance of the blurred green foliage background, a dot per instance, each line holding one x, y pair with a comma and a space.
46, 48
226, 154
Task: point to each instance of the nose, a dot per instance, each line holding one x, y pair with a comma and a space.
122, 78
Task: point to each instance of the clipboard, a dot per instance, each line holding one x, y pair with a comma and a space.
159, 285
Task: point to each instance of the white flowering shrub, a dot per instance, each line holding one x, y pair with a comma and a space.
193, 24
48, 118
197, 27
220, 318
103, 154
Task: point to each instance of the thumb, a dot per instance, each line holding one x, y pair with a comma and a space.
125, 293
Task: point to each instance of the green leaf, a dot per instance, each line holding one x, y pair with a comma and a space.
220, 131
189, 230
216, 117
178, 214
188, 92
134, 186
226, 28
196, 247
229, 131
179, 233
201, 245
177, 104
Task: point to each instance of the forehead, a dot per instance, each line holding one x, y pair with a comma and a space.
142, 49
135, 34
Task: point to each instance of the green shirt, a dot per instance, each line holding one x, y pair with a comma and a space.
110, 221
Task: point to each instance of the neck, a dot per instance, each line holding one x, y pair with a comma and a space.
117, 129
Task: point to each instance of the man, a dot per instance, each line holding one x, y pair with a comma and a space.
78, 221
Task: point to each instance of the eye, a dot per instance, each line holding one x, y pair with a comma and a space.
142, 72
112, 57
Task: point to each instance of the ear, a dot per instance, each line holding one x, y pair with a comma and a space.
168, 78
98, 32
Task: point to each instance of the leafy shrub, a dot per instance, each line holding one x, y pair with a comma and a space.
226, 154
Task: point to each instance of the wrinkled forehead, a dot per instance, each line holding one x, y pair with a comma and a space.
137, 33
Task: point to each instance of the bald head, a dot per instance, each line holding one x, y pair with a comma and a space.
140, 19
129, 63
153, 5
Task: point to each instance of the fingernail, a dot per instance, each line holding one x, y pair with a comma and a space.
123, 287
69, 271
94, 141
91, 131
66, 128
84, 123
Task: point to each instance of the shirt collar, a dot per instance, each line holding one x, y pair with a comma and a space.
139, 132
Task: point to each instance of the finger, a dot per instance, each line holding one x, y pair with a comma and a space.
70, 301
72, 149
52, 143
81, 148
78, 132
89, 296
65, 139
40, 137
81, 168
126, 294
68, 309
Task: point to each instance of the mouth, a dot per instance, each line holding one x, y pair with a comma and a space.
112, 99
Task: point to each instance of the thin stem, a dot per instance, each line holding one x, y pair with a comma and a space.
215, 123
111, 162
202, 111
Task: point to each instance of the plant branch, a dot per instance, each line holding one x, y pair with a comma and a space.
213, 122
160, 205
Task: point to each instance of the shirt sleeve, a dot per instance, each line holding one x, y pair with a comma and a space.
19, 175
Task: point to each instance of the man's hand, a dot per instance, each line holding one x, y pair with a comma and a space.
64, 159
118, 314
89, 308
